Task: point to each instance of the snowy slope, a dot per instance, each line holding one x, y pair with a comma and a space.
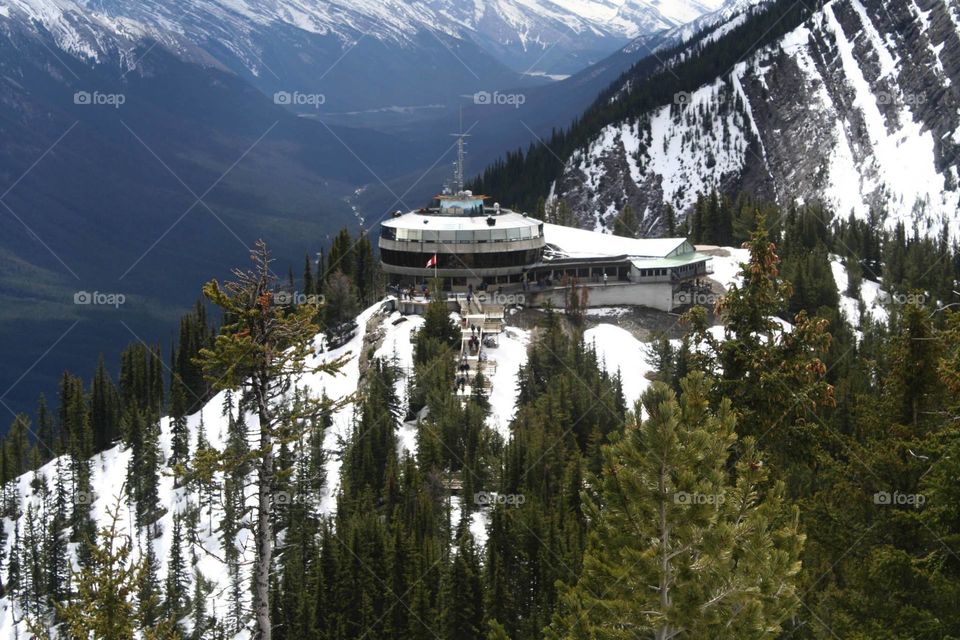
857, 107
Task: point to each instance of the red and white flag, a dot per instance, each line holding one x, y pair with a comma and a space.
432, 262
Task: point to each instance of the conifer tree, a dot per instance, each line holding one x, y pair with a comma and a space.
674, 547
148, 588
340, 307
262, 349
58, 572
308, 287
773, 375
625, 223
104, 408
104, 605
177, 579
669, 220
463, 594
18, 445
46, 431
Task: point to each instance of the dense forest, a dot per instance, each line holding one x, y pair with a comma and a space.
777, 480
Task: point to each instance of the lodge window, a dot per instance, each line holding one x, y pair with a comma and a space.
498, 260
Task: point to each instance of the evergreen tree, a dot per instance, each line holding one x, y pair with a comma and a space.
340, 308
177, 578
104, 409
463, 593
104, 603
675, 548
625, 223
261, 349
46, 431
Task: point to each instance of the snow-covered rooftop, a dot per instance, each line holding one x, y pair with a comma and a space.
504, 220
579, 243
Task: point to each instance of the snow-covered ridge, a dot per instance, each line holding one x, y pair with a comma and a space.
91, 28
842, 109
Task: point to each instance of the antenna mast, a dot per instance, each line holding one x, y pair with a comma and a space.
461, 154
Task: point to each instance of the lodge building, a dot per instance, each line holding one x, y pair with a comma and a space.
466, 243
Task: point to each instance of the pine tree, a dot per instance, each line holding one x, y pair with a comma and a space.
18, 445
462, 616
104, 408
46, 434
308, 287
103, 605
340, 307
58, 571
148, 589
180, 433
177, 579
202, 622
625, 223
675, 548
773, 375
669, 220
262, 348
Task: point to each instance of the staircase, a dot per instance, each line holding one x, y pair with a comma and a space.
479, 323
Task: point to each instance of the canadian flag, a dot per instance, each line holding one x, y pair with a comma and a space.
432, 262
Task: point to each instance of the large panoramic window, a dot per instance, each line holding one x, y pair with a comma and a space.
462, 236
498, 260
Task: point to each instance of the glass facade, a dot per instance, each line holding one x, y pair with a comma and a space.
499, 260
462, 236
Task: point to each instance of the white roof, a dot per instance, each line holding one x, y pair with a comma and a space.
580, 243
505, 220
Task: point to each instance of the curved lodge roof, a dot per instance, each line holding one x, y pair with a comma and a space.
503, 220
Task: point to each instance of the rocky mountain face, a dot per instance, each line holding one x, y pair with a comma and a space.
856, 107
